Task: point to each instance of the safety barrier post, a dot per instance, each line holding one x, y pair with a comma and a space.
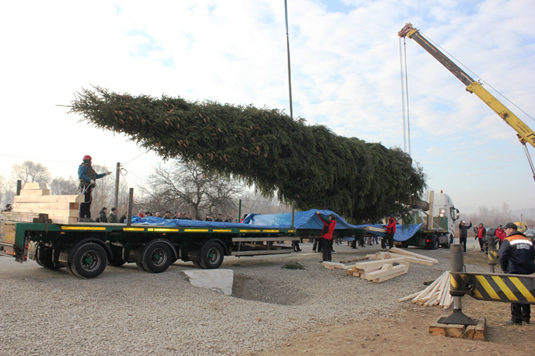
457, 265
492, 254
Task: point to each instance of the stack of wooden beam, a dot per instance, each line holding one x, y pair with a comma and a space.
35, 199
408, 256
383, 265
437, 293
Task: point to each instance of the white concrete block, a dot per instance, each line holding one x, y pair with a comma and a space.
218, 280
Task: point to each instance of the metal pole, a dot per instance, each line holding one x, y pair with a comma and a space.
293, 215
456, 265
117, 176
130, 205
239, 212
288, 51
19, 186
492, 254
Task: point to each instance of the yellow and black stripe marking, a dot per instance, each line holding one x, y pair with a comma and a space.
512, 288
493, 257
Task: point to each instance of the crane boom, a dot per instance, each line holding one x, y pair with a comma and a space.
524, 132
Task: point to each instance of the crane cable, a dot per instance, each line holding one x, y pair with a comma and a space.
405, 96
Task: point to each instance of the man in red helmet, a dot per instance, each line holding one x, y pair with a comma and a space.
88, 177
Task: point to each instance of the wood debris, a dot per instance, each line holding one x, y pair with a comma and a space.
437, 293
382, 266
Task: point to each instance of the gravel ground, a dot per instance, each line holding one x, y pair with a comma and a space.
128, 312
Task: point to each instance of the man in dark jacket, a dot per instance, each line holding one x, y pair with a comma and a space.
463, 233
517, 256
113, 218
103, 215
88, 177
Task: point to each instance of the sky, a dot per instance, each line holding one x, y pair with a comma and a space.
345, 63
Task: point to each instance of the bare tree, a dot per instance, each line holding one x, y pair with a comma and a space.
29, 172
60, 186
187, 187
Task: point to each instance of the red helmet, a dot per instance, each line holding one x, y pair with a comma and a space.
87, 158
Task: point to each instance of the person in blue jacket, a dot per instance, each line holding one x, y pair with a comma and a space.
87, 177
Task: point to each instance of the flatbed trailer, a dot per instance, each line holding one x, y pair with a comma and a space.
86, 248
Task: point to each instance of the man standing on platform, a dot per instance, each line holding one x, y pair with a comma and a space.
516, 257
88, 177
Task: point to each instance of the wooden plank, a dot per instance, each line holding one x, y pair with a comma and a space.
333, 265
387, 272
34, 185
53, 212
477, 332
414, 259
401, 251
66, 205
376, 264
50, 199
34, 192
450, 330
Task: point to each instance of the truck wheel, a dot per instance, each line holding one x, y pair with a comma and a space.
212, 255
435, 243
89, 260
157, 257
44, 258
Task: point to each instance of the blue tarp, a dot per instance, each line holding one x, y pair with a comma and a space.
302, 220
152, 220
403, 233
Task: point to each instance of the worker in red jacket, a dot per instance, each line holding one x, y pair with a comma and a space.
480, 235
500, 234
327, 235
390, 232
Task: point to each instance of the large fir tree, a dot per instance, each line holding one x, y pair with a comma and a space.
307, 164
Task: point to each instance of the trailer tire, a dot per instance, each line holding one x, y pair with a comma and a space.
44, 258
88, 260
435, 243
212, 255
141, 267
157, 257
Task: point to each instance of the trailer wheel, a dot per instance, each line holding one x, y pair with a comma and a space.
44, 258
212, 255
157, 257
89, 260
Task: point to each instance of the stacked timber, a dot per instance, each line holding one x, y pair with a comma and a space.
437, 293
382, 266
35, 199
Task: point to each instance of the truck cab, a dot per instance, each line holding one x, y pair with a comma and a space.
438, 222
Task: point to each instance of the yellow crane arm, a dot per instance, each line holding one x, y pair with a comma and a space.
524, 132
